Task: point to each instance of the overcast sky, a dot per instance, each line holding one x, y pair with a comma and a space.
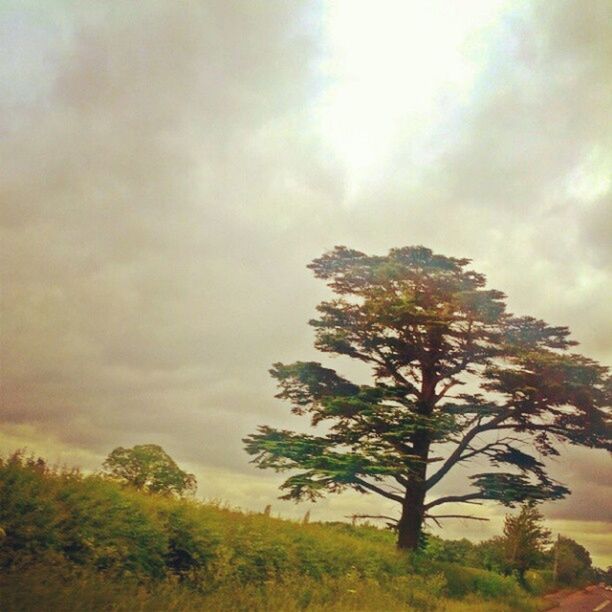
168, 169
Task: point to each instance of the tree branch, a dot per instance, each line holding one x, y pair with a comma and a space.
454, 498
401, 479
447, 387
498, 444
459, 516
373, 487
395, 373
372, 516
456, 456
465, 361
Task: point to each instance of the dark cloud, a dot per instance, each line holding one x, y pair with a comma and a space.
133, 252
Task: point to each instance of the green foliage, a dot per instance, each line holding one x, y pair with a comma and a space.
90, 520
84, 542
191, 545
490, 555
510, 489
147, 467
57, 587
87, 520
464, 580
539, 582
450, 551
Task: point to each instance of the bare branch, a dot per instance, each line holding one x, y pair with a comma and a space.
373, 487
372, 516
447, 387
454, 498
401, 479
456, 516
435, 520
457, 455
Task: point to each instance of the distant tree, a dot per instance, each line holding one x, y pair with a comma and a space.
490, 555
425, 324
573, 561
598, 575
147, 467
525, 540
450, 551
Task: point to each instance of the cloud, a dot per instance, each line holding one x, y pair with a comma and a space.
166, 178
133, 254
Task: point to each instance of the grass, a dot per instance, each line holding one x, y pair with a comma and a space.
71, 588
75, 542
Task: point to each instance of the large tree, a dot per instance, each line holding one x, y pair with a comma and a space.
455, 377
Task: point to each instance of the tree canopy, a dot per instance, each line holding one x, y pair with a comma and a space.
455, 378
148, 467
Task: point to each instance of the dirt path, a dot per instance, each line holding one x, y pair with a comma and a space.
591, 599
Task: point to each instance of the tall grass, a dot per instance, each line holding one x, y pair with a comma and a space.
69, 588
75, 542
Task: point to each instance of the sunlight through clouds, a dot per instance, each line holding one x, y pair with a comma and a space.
592, 178
395, 70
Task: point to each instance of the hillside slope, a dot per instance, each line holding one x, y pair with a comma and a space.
74, 542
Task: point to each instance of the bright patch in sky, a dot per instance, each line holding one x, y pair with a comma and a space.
592, 178
394, 68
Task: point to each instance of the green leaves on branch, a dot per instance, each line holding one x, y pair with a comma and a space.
510, 489
306, 384
327, 470
357, 412
566, 395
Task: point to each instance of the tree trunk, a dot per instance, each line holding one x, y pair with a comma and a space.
413, 511
411, 521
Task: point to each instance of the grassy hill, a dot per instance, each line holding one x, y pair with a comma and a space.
74, 542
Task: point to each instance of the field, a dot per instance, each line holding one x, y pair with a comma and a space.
74, 542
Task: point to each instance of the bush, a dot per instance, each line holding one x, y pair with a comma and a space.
87, 520
67, 536
539, 582
90, 520
191, 546
462, 581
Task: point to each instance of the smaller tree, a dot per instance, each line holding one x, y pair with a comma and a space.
147, 467
490, 555
525, 539
574, 563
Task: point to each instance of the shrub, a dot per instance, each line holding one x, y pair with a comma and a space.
165, 553
462, 581
539, 582
191, 546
